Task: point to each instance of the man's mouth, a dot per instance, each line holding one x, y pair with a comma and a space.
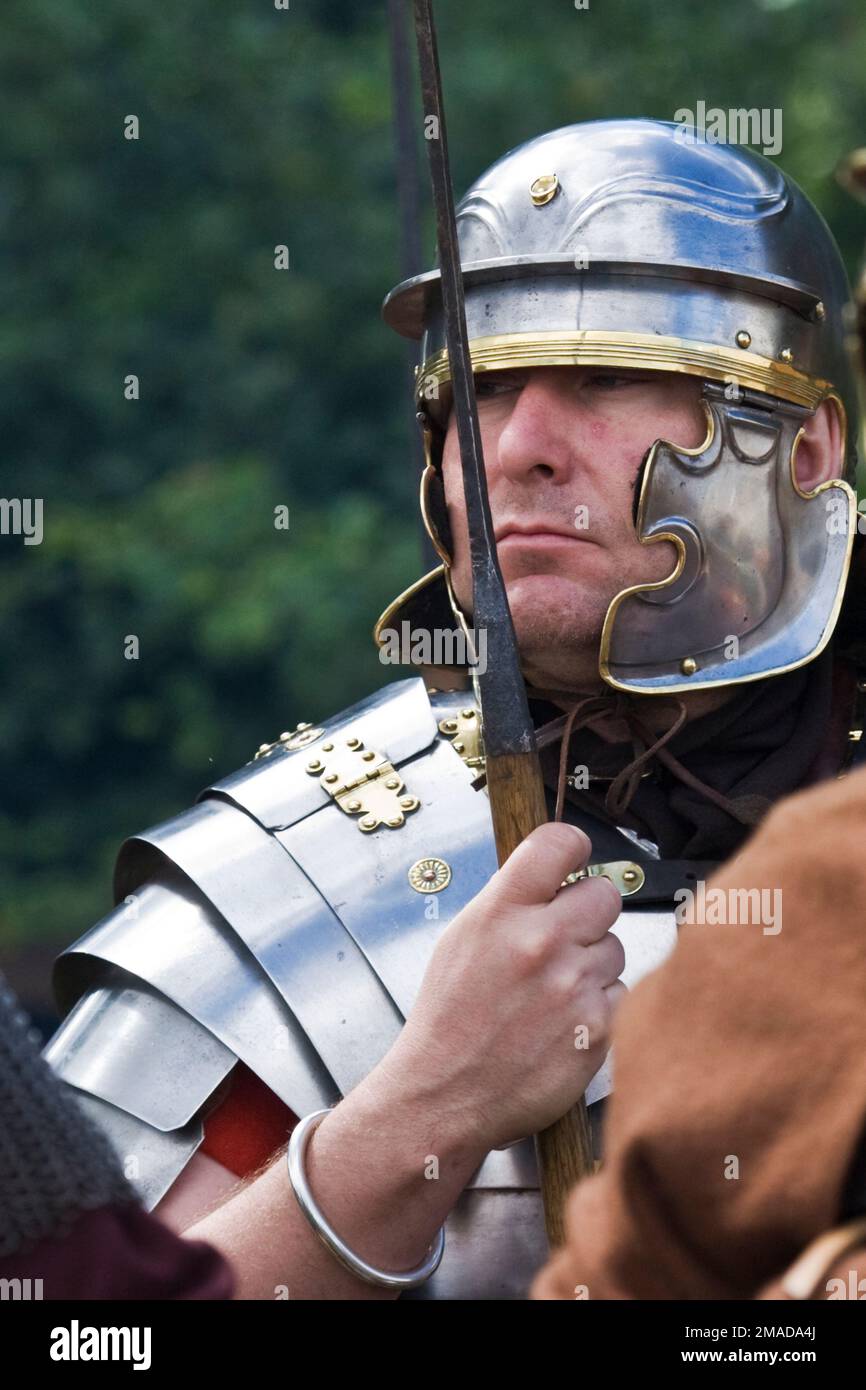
542, 534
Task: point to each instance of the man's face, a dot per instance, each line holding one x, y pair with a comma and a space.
562, 449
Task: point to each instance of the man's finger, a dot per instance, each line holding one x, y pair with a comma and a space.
534, 872
589, 908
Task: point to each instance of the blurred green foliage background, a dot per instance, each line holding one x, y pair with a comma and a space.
261, 387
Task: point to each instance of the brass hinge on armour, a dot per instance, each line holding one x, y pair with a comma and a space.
464, 731
363, 783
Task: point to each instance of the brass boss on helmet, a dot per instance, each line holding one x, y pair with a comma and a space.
636, 244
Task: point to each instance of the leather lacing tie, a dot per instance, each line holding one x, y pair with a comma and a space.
646, 745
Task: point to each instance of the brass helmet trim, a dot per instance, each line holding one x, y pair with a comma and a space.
638, 351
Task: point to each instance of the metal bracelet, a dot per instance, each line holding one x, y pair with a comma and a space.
328, 1236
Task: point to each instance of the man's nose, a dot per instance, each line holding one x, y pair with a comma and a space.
542, 436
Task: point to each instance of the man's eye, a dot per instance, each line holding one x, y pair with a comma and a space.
609, 381
494, 384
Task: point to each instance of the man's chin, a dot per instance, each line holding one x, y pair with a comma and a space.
558, 628
560, 608
557, 651
550, 612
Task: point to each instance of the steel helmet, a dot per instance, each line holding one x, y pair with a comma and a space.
639, 244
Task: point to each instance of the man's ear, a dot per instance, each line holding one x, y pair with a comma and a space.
819, 452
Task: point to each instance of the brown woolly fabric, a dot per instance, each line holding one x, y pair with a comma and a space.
740, 1079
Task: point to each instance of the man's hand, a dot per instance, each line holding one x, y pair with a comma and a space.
487, 1055
514, 1013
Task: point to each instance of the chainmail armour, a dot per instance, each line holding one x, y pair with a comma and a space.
54, 1163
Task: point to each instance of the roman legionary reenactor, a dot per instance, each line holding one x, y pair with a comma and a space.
669, 423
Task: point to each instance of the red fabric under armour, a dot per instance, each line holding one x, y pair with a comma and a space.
248, 1127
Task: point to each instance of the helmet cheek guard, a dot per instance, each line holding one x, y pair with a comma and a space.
434, 509
761, 564
627, 245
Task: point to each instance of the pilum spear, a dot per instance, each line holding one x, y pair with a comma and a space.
514, 780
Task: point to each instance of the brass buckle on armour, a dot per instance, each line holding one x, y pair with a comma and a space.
625, 875
298, 737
